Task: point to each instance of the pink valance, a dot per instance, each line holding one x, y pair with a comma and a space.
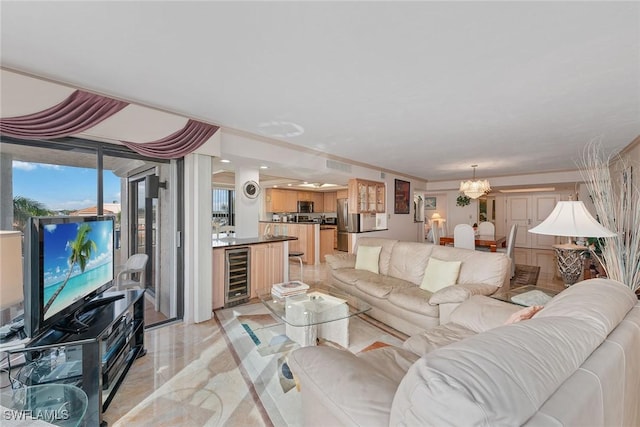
79, 112
178, 144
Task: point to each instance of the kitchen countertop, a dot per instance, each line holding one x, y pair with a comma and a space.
228, 242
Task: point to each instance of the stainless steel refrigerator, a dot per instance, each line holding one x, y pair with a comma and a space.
343, 225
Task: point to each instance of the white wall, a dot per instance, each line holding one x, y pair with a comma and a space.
247, 210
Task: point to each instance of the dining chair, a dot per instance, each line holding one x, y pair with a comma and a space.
464, 237
435, 234
511, 242
486, 228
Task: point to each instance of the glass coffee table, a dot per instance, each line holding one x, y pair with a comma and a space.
526, 295
320, 312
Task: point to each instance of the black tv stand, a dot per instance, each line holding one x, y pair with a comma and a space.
73, 324
97, 358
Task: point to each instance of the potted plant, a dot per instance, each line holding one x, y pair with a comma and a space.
463, 200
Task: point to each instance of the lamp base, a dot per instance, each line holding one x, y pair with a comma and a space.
570, 263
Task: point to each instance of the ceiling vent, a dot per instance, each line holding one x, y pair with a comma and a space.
344, 167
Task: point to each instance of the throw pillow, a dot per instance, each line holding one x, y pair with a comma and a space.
440, 274
524, 314
367, 258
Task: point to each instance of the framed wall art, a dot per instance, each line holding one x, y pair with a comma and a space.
402, 199
430, 202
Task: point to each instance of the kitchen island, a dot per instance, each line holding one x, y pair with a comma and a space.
243, 267
308, 234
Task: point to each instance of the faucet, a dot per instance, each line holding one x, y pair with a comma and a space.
267, 231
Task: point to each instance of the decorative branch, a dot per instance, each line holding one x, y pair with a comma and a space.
616, 204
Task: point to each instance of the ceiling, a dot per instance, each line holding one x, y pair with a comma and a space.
422, 88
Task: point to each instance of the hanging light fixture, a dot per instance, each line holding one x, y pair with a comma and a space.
473, 188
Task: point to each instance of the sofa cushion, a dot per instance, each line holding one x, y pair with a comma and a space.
460, 293
367, 258
440, 274
601, 301
437, 337
475, 381
480, 313
385, 253
490, 268
414, 299
409, 260
350, 275
354, 391
380, 286
336, 261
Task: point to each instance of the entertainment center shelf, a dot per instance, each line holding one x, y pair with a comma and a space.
96, 359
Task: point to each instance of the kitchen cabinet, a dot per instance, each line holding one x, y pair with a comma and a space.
342, 194
366, 196
277, 200
318, 202
330, 201
307, 235
326, 242
305, 196
267, 266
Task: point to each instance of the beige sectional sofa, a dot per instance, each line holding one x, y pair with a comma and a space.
395, 293
575, 363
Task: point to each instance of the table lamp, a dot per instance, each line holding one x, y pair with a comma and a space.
11, 292
571, 219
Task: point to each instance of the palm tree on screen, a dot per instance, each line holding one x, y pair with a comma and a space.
81, 249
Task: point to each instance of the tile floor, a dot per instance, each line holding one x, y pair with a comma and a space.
172, 347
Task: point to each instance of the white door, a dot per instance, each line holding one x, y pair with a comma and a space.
529, 211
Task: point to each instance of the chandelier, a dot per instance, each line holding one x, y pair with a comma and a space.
473, 188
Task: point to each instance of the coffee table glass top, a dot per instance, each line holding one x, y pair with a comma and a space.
319, 304
526, 295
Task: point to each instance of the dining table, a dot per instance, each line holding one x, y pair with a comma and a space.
492, 242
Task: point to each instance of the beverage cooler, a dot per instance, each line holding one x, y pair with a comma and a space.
237, 276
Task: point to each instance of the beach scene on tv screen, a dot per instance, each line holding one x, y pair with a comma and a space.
78, 259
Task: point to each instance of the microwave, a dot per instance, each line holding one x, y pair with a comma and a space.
305, 207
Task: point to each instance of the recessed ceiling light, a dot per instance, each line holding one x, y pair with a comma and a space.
289, 185
225, 161
275, 186
264, 167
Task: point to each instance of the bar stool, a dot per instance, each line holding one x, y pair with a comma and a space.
298, 256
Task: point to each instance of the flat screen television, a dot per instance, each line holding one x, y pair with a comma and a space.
68, 261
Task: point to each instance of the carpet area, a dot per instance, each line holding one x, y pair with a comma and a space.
525, 275
262, 349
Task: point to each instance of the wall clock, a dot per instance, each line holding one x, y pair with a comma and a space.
251, 189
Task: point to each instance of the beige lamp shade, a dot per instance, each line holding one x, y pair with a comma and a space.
11, 292
571, 218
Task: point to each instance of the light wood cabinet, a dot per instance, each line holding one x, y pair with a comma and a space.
277, 200
267, 266
342, 194
304, 232
330, 201
326, 243
367, 196
318, 202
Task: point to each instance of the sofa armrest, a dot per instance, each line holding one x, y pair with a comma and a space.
340, 261
339, 383
460, 293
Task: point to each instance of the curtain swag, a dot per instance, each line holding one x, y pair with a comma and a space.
79, 112
83, 110
178, 144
